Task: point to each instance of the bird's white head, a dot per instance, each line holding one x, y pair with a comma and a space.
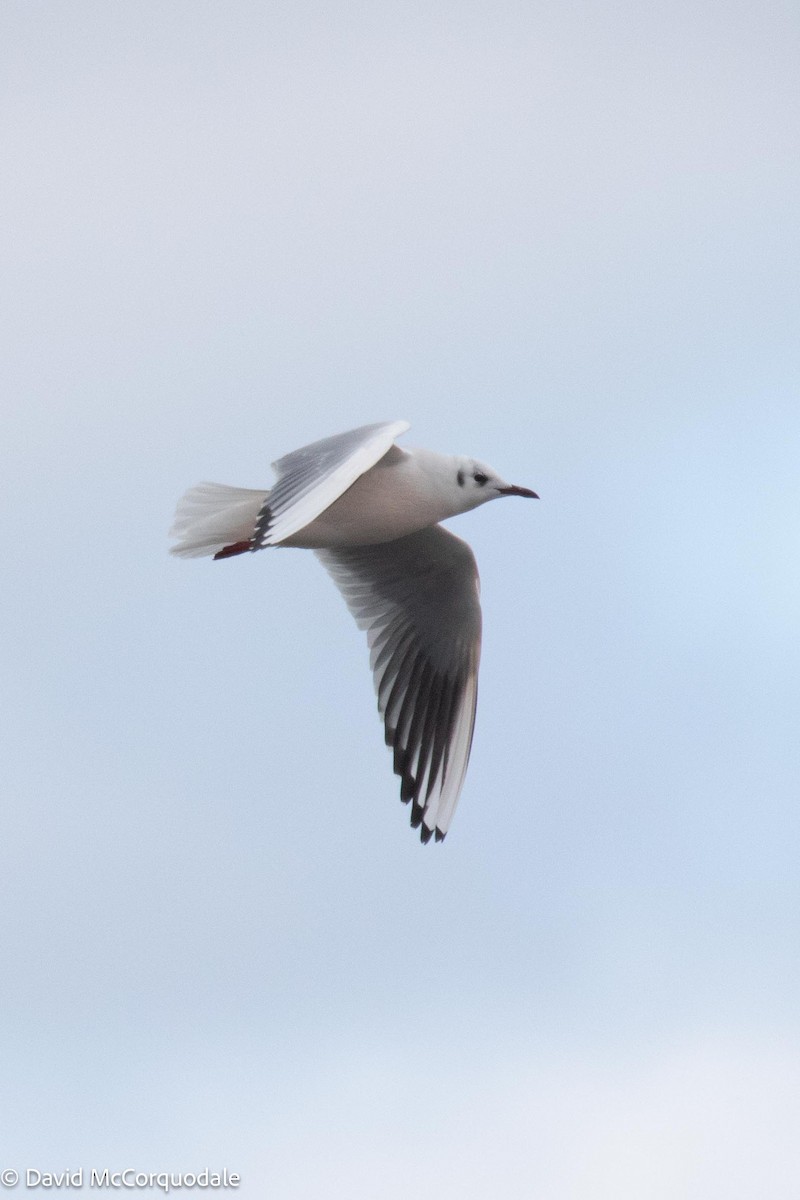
475, 483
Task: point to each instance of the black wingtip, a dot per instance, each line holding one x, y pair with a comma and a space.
425, 834
408, 787
263, 523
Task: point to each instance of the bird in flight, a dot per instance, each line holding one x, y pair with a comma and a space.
370, 511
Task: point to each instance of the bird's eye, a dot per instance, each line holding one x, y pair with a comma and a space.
480, 478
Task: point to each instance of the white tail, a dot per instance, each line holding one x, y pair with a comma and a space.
211, 516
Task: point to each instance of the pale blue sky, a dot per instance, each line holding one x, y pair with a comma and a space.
564, 241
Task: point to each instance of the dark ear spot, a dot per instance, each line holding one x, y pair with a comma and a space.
460, 478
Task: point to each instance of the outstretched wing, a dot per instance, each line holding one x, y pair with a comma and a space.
310, 479
417, 598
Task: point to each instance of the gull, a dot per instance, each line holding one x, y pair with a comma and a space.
370, 511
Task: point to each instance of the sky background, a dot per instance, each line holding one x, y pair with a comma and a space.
562, 239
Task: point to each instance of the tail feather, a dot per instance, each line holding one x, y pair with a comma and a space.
212, 516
